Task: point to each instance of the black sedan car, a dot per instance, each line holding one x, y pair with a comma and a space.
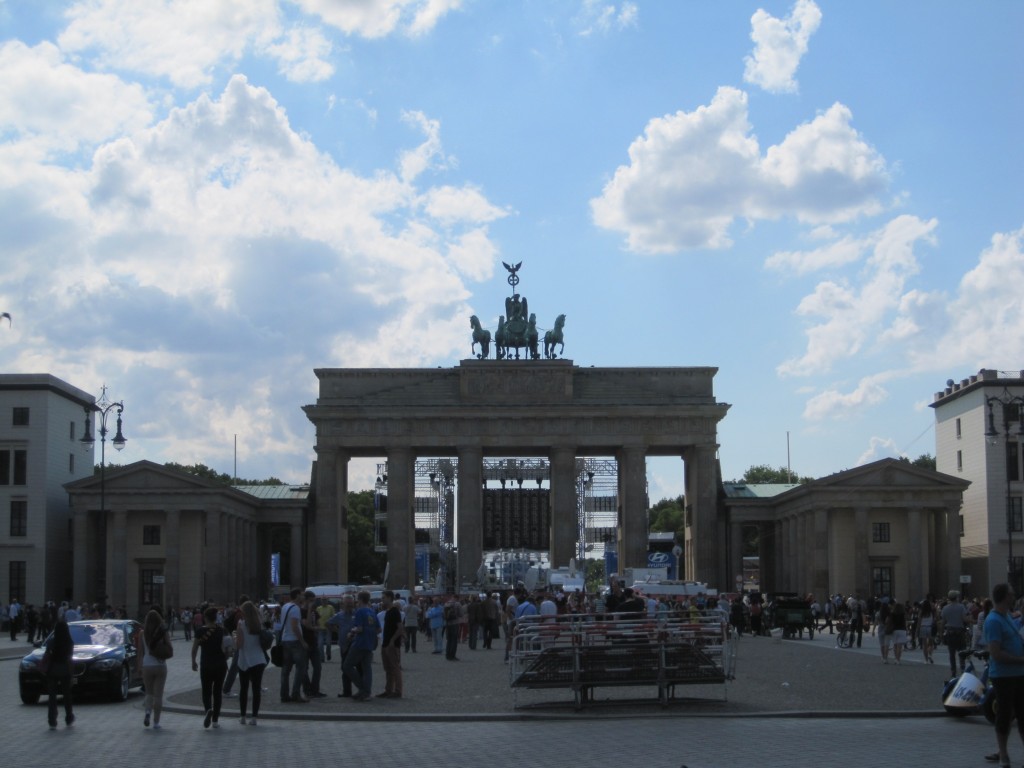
104, 661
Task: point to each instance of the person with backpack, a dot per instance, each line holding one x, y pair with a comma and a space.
364, 643
153, 648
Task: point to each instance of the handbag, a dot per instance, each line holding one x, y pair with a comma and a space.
277, 656
161, 648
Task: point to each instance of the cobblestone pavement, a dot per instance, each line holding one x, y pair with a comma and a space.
836, 703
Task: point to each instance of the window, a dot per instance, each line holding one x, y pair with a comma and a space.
961, 523
16, 472
20, 468
151, 586
881, 580
71, 463
151, 535
960, 461
958, 434
19, 417
71, 430
16, 578
1015, 523
880, 534
1013, 460
19, 517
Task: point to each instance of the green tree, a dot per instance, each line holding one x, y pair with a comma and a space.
669, 516
364, 563
593, 574
762, 473
208, 473
925, 461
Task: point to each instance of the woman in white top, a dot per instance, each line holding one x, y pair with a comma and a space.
252, 660
153, 668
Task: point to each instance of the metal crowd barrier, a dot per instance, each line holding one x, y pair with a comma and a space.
582, 652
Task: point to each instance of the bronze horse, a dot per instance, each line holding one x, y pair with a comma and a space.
553, 337
481, 336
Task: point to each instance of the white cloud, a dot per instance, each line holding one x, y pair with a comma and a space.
428, 154
220, 244
691, 175
833, 404
879, 448
181, 40
984, 322
843, 251
51, 105
302, 55
379, 18
779, 44
854, 316
601, 17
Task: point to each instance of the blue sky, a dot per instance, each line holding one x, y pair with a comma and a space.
203, 200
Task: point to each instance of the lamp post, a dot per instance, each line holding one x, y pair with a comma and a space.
1010, 407
103, 407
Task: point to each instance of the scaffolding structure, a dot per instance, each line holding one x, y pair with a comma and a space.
434, 508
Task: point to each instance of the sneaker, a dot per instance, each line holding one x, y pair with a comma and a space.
208, 719
230, 695
157, 726
216, 724
53, 726
242, 720
252, 721
69, 720
145, 722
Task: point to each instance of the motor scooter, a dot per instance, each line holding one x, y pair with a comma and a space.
970, 693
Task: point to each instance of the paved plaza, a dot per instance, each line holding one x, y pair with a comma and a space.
794, 703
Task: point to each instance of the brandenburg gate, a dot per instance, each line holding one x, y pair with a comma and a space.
508, 407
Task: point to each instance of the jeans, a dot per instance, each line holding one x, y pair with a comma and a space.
153, 678
312, 686
358, 668
212, 680
438, 639
391, 661
295, 655
410, 638
323, 640
61, 683
954, 640
253, 675
451, 641
474, 630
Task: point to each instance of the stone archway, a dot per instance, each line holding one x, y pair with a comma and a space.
549, 408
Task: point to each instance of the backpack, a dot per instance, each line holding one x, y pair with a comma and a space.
161, 647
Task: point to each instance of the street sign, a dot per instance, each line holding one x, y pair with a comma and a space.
965, 579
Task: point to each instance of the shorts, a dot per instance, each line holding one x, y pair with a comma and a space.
898, 637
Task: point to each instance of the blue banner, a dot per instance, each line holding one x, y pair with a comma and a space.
275, 569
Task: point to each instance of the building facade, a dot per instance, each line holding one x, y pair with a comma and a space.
887, 528
41, 422
169, 538
988, 454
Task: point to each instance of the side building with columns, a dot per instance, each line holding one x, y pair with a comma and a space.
885, 528
172, 539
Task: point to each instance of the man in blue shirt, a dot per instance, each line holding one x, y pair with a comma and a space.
364, 641
1006, 667
342, 623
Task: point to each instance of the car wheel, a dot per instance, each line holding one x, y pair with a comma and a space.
29, 696
119, 691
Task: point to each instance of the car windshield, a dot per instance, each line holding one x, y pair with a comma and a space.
97, 634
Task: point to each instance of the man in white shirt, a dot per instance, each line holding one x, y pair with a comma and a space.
296, 651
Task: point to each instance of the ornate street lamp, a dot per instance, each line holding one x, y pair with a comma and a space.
1010, 406
103, 407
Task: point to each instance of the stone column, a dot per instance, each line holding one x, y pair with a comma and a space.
329, 551
633, 507
117, 586
702, 499
172, 558
767, 552
298, 555
803, 543
564, 506
212, 583
793, 561
734, 566
83, 557
953, 566
779, 556
861, 562
469, 522
820, 573
401, 542
915, 569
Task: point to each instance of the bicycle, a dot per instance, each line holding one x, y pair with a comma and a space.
844, 637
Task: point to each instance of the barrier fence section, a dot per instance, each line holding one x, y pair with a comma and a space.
582, 652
